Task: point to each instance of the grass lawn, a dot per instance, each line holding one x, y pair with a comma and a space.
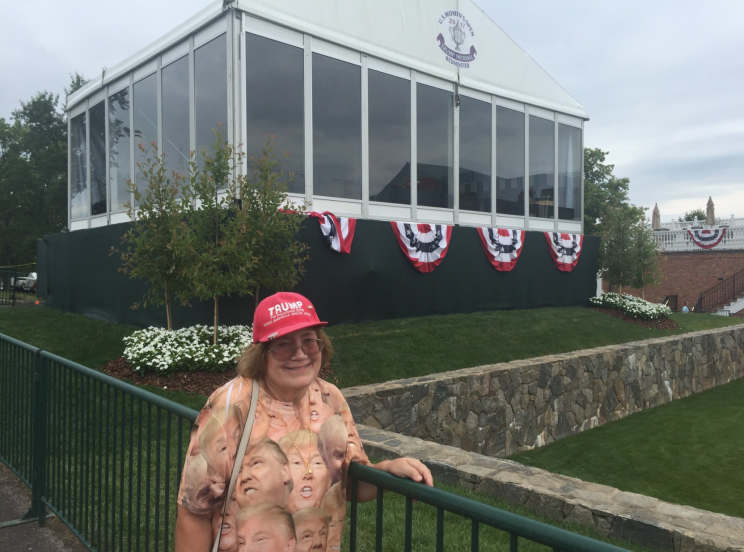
688, 452
457, 529
394, 349
380, 351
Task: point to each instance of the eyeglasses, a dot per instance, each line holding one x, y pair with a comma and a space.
287, 350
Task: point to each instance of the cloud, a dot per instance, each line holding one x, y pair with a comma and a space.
662, 81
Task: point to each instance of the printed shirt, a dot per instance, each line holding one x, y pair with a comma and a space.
291, 490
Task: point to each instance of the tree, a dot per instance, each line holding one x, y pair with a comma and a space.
601, 188
274, 222
221, 237
617, 254
77, 81
157, 243
33, 177
647, 270
700, 214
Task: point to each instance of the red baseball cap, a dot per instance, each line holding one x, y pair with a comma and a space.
283, 313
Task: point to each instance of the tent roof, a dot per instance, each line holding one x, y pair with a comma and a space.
419, 34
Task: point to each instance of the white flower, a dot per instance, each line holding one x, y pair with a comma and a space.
156, 349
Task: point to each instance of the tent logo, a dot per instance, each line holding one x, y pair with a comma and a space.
459, 33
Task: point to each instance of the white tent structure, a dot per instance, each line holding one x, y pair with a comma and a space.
367, 97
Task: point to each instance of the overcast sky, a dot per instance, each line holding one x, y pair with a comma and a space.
662, 81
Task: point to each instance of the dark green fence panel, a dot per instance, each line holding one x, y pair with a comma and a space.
8, 278
517, 527
16, 409
104, 456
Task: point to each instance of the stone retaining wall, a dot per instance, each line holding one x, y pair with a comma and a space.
502, 409
639, 519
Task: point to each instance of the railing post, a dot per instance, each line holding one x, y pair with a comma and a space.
39, 437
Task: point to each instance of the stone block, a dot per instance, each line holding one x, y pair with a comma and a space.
581, 515
647, 533
550, 506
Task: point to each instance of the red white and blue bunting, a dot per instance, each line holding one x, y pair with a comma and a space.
337, 231
502, 246
425, 245
707, 239
565, 249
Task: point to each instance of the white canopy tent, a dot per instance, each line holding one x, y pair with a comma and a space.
369, 97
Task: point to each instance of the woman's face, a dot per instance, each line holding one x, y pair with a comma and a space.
297, 373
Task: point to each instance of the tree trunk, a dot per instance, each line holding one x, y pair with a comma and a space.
169, 322
643, 293
216, 318
256, 295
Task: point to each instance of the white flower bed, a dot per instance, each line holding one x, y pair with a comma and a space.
158, 350
635, 307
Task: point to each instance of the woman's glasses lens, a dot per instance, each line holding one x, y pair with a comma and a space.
286, 351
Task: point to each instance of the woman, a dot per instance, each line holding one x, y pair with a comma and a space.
302, 440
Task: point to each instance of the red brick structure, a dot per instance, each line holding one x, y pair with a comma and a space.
687, 274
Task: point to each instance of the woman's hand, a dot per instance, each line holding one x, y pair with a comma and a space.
410, 468
402, 467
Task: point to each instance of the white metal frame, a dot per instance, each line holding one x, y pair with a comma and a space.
235, 22
479, 218
379, 209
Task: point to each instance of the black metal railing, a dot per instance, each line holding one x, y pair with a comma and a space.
8, 280
106, 458
671, 302
517, 527
724, 292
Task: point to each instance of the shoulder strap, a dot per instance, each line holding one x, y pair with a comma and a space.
239, 457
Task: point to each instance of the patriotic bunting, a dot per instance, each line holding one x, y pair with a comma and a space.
425, 245
337, 231
707, 239
565, 249
502, 246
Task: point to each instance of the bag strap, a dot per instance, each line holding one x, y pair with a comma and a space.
239, 457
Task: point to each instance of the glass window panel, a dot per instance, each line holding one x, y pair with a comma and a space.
509, 161
435, 139
78, 169
210, 93
97, 115
542, 167
475, 155
275, 103
120, 154
145, 122
389, 138
337, 128
569, 172
176, 132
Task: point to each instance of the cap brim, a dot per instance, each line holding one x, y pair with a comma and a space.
289, 329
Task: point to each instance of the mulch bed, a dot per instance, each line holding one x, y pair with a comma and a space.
659, 324
202, 383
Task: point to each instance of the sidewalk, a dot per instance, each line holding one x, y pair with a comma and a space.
15, 500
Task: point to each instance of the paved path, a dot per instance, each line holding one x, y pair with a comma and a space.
15, 500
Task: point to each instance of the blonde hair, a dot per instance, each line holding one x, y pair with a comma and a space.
333, 429
266, 508
311, 513
298, 438
334, 500
252, 363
